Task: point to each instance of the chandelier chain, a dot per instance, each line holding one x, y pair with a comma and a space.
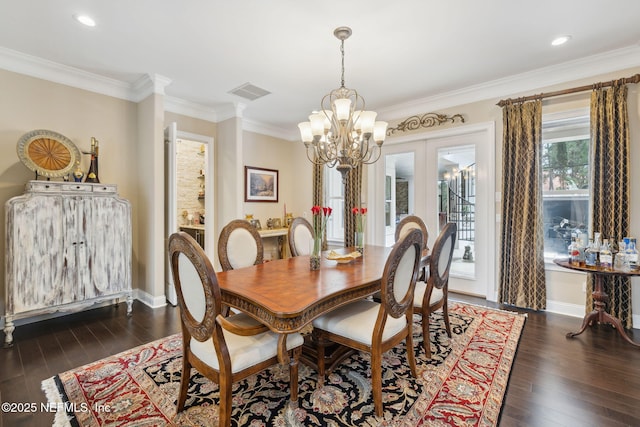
342, 52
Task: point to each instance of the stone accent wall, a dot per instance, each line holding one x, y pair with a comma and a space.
190, 161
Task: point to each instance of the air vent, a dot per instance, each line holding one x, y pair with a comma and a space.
249, 91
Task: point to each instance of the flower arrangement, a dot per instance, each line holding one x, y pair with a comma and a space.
360, 218
320, 217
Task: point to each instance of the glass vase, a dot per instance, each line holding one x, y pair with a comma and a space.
359, 241
315, 248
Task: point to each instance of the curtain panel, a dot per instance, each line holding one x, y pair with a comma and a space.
610, 187
522, 273
352, 199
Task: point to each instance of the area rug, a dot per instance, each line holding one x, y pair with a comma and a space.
463, 383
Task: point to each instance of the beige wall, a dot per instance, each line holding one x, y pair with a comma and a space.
564, 289
28, 103
131, 156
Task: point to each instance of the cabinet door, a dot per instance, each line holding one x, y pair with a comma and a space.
109, 235
35, 258
75, 245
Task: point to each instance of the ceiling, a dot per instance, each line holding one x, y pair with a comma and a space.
401, 55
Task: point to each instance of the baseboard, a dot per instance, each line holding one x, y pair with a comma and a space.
150, 300
573, 310
577, 310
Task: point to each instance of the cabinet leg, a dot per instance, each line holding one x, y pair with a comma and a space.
129, 304
9, 327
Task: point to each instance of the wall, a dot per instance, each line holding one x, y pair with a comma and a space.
29, 103
564, 288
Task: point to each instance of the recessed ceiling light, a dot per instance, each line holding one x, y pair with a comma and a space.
85, 20
560, 40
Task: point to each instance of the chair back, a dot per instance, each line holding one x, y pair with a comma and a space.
239, 245
412, 222
441, 256
400, 273
196, 286
299, 235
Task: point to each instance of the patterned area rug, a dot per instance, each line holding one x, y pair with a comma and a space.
463, 384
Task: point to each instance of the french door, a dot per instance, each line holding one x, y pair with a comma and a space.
443, 176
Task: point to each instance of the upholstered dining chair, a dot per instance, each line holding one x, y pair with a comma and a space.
239, 245
374, 327
224, 349
432, 294
409, 223
299, 235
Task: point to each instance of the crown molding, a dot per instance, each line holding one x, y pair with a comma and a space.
190, 109
269, 130
590, 66
149, 84
33, 66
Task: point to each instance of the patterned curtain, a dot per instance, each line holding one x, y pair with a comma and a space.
352, 199
610, 186
522, 279
318, 194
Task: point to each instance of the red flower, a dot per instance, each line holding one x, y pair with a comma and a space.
361, 211
327, 211
316, 210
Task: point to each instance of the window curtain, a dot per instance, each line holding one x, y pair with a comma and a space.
522, 274
352, 199
318, 194
610, 186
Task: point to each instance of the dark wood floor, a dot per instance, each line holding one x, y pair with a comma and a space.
591, 380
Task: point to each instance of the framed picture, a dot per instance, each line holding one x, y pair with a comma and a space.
260, 185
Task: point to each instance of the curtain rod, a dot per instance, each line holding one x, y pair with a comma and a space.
632, 79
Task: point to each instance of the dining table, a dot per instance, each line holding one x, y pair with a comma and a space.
286, 294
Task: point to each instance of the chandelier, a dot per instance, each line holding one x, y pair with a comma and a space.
343, 134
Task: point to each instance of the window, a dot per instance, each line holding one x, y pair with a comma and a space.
565, 181
334, 190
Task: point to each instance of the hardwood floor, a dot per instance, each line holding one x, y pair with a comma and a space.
590, 380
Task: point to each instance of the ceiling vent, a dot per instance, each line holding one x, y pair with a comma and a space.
249, 91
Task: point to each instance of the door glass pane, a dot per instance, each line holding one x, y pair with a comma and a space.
399, 197
457, 202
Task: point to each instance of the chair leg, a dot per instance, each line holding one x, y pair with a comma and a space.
184, 383
411, 355
426, 338
445, 314
376, 381
224, 408
293, 375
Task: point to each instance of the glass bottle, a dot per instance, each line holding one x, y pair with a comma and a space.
92, 174
606, 258
591, 255
632, 254
574, 252
620, 261
596, 246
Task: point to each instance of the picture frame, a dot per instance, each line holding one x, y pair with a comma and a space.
260, 184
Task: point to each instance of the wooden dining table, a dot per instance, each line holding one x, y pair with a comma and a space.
286, 295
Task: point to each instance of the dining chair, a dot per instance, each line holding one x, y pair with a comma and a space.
224, 349
432, 294
239, 245
376, 327
409, 223
299, 235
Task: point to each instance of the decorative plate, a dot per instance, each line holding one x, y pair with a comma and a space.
343, 258
48, 153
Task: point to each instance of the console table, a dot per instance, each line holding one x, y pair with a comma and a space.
600, 298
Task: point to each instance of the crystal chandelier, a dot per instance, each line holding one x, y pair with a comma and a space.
343, 134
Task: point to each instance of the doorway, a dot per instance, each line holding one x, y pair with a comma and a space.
189, 186
443, 176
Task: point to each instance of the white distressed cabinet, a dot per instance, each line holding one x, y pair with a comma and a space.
67, 247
